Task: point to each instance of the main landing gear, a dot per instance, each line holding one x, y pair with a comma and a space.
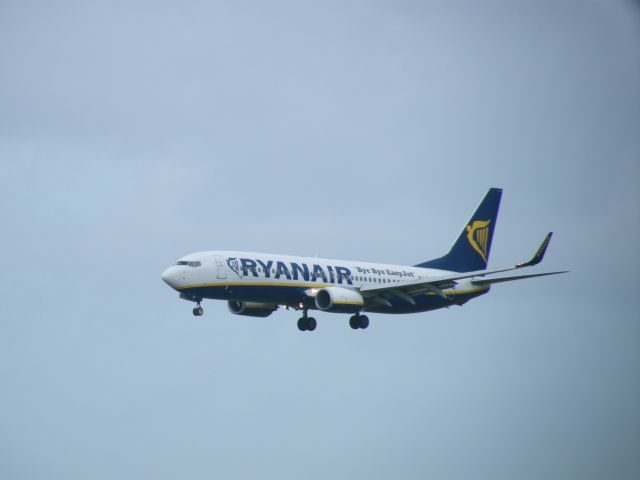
198, 311
359, 321
306, 324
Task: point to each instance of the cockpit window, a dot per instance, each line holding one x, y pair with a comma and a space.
189, 264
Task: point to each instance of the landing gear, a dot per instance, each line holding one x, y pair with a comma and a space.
359, 321
307, 324
311, 324
198, 311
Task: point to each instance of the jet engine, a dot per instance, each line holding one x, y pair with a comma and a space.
338, 299
252, 309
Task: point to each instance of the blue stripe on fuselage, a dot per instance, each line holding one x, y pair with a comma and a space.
294, 295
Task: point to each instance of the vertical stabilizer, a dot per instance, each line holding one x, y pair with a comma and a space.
471, 250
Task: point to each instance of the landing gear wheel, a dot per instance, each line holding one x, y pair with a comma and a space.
311, 324
307, 324
359, 321
198, 311
302, 324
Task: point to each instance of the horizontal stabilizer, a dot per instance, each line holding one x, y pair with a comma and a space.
489, 281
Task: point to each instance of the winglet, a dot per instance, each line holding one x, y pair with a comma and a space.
537, 258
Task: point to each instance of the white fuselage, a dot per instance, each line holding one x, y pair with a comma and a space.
229, 271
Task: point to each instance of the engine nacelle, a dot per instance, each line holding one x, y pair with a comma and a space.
252, 309
338, 299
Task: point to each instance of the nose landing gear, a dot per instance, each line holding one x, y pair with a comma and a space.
198, 311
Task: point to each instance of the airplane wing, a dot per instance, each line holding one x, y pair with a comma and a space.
378, 294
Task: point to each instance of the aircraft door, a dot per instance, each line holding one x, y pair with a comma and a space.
221, 267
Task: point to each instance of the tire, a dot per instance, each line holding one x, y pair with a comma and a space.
364, 321
302, 324
354, 323
311, 324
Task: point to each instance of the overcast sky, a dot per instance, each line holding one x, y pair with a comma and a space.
132, 133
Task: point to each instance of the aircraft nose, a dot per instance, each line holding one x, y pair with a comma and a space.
169, 277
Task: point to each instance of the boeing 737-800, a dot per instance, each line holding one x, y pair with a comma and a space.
256, 284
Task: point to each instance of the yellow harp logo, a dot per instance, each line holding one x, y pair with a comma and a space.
478, 236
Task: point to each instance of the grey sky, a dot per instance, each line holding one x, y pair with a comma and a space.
131, 135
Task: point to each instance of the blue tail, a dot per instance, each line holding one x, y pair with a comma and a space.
471, 250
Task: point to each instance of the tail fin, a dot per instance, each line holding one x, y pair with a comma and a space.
471, 250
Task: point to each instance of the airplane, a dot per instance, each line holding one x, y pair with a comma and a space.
257, 284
